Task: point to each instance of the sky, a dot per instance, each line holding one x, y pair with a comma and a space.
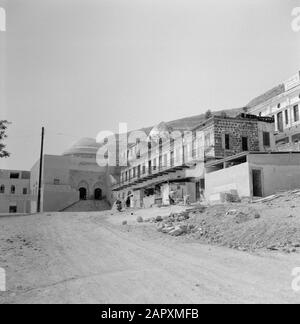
77, 67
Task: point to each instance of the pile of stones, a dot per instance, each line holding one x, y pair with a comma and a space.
287, 247
176, 224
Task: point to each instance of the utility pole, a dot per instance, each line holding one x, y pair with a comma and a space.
41, 172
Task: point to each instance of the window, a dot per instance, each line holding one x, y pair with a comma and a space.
13, 189
12, 209
227, 142
280, 122
194, 146
279, 105
14, 176
134, 172
2, 189
207, 140
172, 141
149, 166
286, 117
154, 164
160, 143
296, 113
56, 181
144, 169
245, 143
266, 139
126, 175
24, 191
25, 175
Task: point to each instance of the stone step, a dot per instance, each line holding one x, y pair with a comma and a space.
88, 205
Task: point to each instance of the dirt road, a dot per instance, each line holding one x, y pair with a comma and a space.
87, 258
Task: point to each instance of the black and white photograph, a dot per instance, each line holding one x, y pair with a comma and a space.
149, 154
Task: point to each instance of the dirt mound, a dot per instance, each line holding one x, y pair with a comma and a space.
272, 224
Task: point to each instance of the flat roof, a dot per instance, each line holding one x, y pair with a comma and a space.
13, 170
244, 154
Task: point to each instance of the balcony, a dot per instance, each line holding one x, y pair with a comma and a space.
154, 173
289, 147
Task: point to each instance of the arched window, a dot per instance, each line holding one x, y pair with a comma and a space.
13, 189
2, 189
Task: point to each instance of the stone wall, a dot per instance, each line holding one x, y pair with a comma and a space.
236, 130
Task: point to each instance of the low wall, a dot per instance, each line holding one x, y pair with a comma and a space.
235, 178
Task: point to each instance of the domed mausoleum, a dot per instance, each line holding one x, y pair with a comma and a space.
86, 148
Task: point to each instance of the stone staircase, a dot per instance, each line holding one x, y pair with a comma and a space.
88, 206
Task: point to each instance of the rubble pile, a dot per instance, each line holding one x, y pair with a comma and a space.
178, 223
272, 223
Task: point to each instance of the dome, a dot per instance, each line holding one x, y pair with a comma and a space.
162, 130
85, 147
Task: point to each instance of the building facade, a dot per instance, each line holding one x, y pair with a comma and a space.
14, 191
283, 103
71, 177
252, 174
169, 165
66, 179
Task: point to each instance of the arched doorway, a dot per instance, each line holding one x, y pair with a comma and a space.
82, 193
83, 188
128, 200
98, 194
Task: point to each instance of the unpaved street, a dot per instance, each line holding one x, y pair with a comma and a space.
92, 258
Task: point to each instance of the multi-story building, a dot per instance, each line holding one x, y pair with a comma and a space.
168, 164
283, 103
14, 191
